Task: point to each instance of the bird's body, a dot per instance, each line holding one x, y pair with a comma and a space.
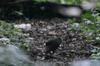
52, 45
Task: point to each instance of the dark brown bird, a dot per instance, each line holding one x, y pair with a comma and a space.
52, 45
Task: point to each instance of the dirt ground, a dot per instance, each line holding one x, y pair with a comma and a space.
71, 47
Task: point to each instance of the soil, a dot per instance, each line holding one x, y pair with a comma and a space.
71, 47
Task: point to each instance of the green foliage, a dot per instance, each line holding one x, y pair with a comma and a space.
8, 30
88, 15
90, 29
11, 35
61, 1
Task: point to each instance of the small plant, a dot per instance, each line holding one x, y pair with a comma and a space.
11, 35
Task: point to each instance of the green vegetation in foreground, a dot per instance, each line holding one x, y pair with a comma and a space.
11, 35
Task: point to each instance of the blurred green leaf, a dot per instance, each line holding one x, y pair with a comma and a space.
88, 15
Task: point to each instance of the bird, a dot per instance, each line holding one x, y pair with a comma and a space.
52, 45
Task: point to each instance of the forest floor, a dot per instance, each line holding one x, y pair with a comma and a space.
72, 47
